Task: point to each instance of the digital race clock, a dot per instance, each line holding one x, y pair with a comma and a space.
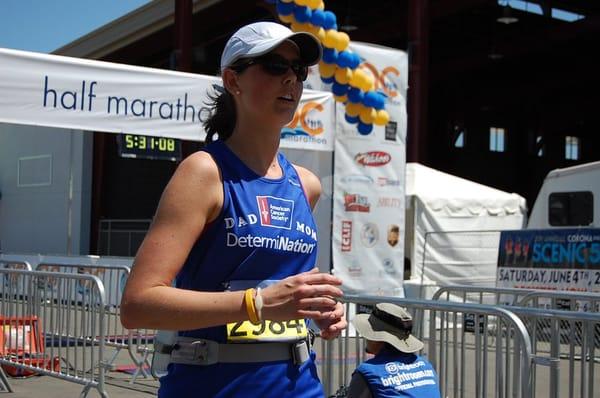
148, 147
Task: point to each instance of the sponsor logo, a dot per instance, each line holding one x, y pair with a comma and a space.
388, 266
391, 367
391, 131
353, 267
389, 202
357, 178
369, 234
306, 124
383, 79
275, 212
373, 158
384, 181
356, 202
393, 235
346, 236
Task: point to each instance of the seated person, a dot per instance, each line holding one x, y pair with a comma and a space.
396, 370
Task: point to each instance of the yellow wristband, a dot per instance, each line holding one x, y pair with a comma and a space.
250, 308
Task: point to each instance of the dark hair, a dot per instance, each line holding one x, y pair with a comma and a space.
223, 116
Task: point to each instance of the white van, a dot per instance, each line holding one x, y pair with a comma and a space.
569, 197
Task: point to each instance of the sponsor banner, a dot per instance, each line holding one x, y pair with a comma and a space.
313, 125
369, 175
81, 94
556, 259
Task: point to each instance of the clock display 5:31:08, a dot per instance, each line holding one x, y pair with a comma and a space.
144, 142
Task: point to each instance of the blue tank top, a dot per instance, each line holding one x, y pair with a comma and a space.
392, 374
264, 232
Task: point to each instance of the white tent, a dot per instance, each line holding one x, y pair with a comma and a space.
452, 227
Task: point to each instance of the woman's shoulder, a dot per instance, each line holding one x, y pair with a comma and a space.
200, 165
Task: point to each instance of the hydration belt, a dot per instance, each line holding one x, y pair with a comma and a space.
195, 351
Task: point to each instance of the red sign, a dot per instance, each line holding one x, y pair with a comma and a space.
373, 158
346, 236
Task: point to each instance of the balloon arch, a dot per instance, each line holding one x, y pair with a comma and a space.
340, 67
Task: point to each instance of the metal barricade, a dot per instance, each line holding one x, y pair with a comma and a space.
15, 265
471, 359
139, 343
568, 346
53, 324
559, 338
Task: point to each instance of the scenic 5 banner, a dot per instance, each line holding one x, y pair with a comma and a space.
556, 259
65, 92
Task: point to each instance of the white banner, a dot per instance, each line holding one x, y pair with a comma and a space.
313, 125
369, 179
65, 92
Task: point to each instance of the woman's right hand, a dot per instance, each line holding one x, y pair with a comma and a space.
310, 294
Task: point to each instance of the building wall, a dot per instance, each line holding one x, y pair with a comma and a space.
45, 182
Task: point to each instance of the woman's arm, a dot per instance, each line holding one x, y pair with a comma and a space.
194, 197
332, 326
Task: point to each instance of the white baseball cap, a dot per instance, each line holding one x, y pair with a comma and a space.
259, 38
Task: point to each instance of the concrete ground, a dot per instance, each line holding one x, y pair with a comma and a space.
117, 385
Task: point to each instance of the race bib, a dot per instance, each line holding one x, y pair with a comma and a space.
266, 331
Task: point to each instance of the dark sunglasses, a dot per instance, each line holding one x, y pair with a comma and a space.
275, 66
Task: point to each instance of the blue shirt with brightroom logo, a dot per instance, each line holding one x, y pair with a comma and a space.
265, 232
392, 374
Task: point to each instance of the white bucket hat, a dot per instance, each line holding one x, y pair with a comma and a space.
261, 37
391, 324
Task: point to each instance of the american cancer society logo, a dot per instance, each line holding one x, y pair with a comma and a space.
275, 212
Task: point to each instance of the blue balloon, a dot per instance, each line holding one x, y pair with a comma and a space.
327, 80
330, 20
380, 102
302, 14
355, 95
355, 61
351, 119
317, 18
284, 8
344, 59
370, 99
339, 89
364, 129
330, 55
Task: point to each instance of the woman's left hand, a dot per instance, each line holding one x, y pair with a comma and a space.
333, 326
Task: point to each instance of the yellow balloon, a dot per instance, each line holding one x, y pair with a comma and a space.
367, 83
314, 4
343, 75
340, 98
321, 6
326, 70
367, 115
320, 34
330, 38
353, 109
342, 41
312, 28
382, 117
287, 18
301, 2
358, 76
295, 26
305, 27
